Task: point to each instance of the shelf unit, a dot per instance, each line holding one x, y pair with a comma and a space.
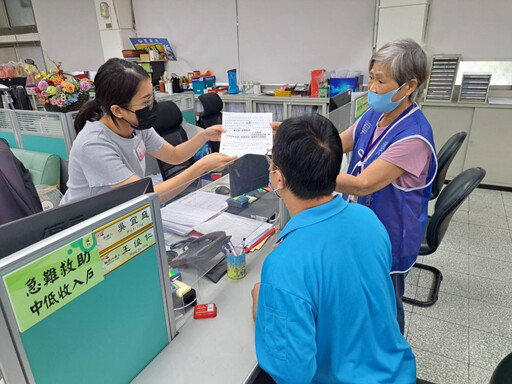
442, 78
184, 101
280, 107
475, 87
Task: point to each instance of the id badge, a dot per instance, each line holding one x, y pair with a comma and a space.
141, 150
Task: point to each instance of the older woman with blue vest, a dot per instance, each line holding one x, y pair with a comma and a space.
393, 159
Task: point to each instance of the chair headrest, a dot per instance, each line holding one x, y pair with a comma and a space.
169, 117
212, 104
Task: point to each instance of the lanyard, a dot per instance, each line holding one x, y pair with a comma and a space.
372, 143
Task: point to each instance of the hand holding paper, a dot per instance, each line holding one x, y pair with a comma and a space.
246, 133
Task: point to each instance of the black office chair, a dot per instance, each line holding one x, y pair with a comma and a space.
503, 372
168, 125
449, 200
211, 115
445, 157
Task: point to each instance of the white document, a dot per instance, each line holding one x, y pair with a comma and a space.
185, 214
246, 133
206, 200
182, 215
237, 227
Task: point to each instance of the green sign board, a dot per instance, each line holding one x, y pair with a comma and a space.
361, 106
39, 288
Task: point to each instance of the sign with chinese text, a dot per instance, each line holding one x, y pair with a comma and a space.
152, 43
126, 251
361, 106
45, 285
117, 231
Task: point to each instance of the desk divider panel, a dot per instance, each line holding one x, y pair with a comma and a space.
106, 333
44, 132
8, 130
70, 119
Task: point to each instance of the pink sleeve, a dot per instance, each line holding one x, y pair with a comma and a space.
350, 130
412, 155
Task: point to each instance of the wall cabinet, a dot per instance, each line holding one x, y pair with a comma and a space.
488, 144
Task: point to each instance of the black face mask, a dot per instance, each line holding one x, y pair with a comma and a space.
145, 116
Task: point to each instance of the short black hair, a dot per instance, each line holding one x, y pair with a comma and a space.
308, 151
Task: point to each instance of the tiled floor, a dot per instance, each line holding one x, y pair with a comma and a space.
462, 338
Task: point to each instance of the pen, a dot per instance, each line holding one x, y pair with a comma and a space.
243, 243
225, 250
233, 248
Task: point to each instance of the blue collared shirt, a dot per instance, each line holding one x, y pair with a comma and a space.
326, 310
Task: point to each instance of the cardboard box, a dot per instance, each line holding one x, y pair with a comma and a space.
200, 84
281, 93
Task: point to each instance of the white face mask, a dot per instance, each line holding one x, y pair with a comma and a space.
270, 183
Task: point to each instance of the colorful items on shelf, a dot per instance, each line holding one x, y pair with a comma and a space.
12, 69
202, 83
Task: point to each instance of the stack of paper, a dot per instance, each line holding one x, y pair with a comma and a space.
182, 215
237, 227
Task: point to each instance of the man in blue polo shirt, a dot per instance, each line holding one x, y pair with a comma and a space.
325, 310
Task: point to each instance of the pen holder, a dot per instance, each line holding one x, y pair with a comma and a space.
236, 264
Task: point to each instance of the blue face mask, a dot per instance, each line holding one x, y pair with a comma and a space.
382, 102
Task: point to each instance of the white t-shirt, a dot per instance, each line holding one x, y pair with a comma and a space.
100, 158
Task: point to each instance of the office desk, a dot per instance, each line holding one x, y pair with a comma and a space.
219, 350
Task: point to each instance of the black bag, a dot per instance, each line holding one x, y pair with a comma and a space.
20, 98
175, 81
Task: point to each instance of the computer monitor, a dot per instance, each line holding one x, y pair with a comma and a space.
339, 100
29, 230
248, 173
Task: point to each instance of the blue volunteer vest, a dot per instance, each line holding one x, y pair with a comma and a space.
403, 212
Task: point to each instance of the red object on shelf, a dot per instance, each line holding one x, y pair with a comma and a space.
316, 78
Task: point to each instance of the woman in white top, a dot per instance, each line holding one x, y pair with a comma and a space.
115, 135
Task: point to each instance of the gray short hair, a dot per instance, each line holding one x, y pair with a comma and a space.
407, 61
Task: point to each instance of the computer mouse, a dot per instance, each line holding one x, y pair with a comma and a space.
222, 190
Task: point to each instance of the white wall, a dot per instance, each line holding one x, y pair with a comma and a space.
283, 41
202, 33
69, 32
477, 29
280, 41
